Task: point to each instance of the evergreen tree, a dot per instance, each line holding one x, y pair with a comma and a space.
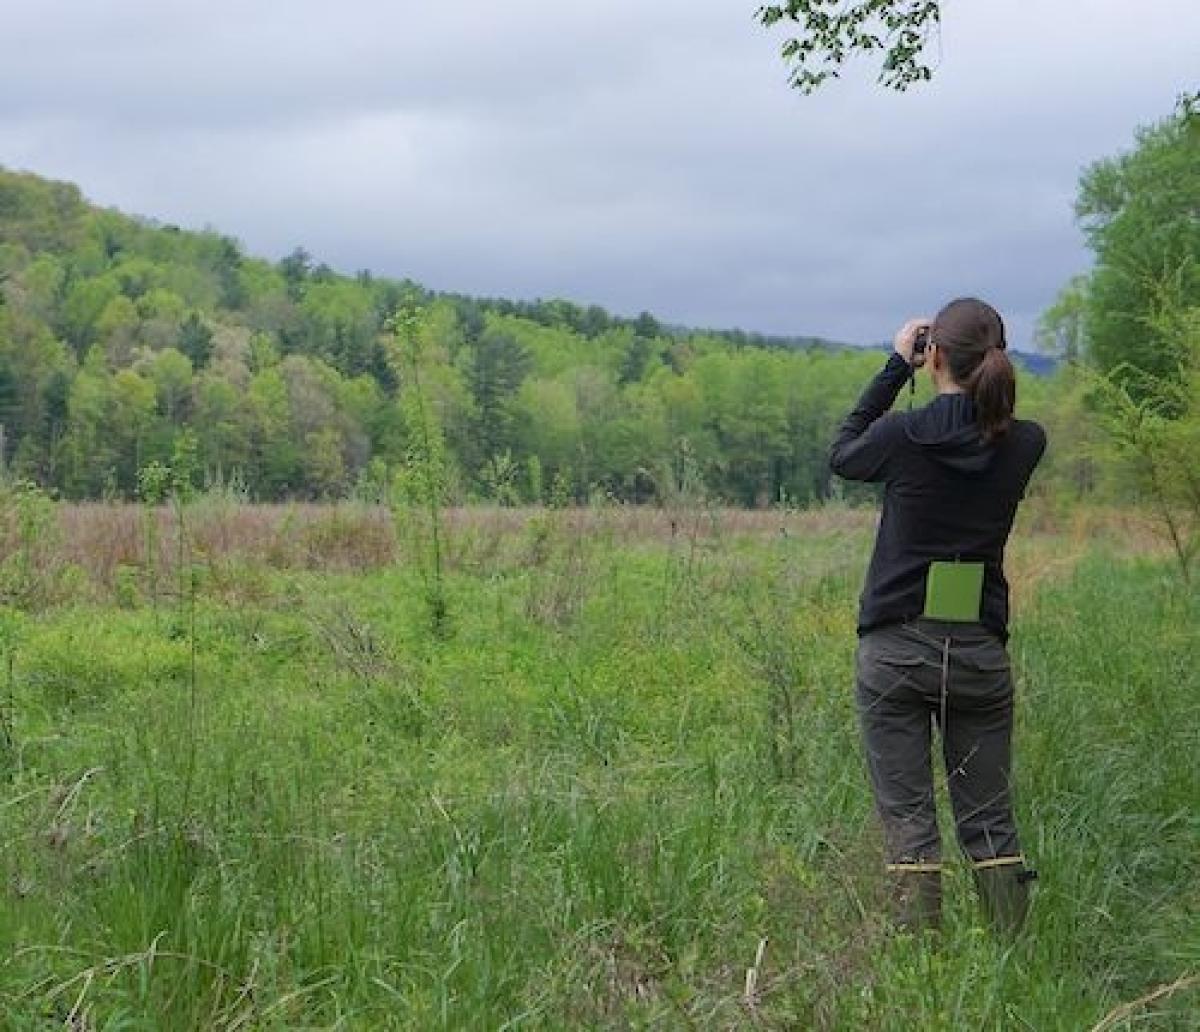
496, 368
195, 340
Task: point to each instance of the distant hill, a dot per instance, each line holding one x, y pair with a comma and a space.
126, 343
1032, 362
1038, 364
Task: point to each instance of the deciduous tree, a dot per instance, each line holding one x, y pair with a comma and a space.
830, 32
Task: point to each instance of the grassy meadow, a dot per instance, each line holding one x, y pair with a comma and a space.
252, 790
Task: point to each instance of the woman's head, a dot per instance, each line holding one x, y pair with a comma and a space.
968, 336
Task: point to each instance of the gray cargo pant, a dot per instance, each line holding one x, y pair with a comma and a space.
910, 677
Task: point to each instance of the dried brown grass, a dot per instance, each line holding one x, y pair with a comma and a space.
106, 541
101, 538
1047, 548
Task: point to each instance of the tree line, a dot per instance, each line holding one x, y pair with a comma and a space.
123, 341
119, 338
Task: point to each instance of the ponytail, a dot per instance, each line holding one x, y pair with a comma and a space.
970, 333
993, 389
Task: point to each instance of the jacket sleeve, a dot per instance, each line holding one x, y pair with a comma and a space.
864, 442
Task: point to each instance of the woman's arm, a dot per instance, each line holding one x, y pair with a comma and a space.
863, 443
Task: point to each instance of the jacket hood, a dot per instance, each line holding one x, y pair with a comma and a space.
947, 430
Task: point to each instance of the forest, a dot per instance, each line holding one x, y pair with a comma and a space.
125, 343
122, 341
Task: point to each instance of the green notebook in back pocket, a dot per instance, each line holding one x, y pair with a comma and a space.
953, 591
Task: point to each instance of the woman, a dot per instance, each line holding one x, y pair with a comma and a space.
933, 620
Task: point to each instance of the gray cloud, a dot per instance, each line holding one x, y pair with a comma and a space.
636, 155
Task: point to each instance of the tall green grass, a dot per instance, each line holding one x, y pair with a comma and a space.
579, 817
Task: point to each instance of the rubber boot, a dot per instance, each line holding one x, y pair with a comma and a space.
916, 900
1004, 892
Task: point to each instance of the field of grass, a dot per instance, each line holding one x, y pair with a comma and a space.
625, 791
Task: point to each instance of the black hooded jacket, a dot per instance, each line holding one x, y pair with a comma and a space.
948, 494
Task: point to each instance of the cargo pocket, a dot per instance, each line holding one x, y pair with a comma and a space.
982, 672
882, 668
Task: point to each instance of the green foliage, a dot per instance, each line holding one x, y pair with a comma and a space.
1061, 329
33, 574
184, 467
117, 336
831, 31
536, 488
1139, 214
496, 366
1154, 422
195, 340
422, 483
500, 479
1133, 320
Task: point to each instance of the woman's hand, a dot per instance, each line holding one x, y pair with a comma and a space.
906, 338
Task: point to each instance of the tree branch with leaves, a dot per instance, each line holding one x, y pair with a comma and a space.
830, 32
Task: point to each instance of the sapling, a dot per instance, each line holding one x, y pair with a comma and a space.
153, 481
421, 484
1155, 422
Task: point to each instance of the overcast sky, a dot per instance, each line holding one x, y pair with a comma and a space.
635, 154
